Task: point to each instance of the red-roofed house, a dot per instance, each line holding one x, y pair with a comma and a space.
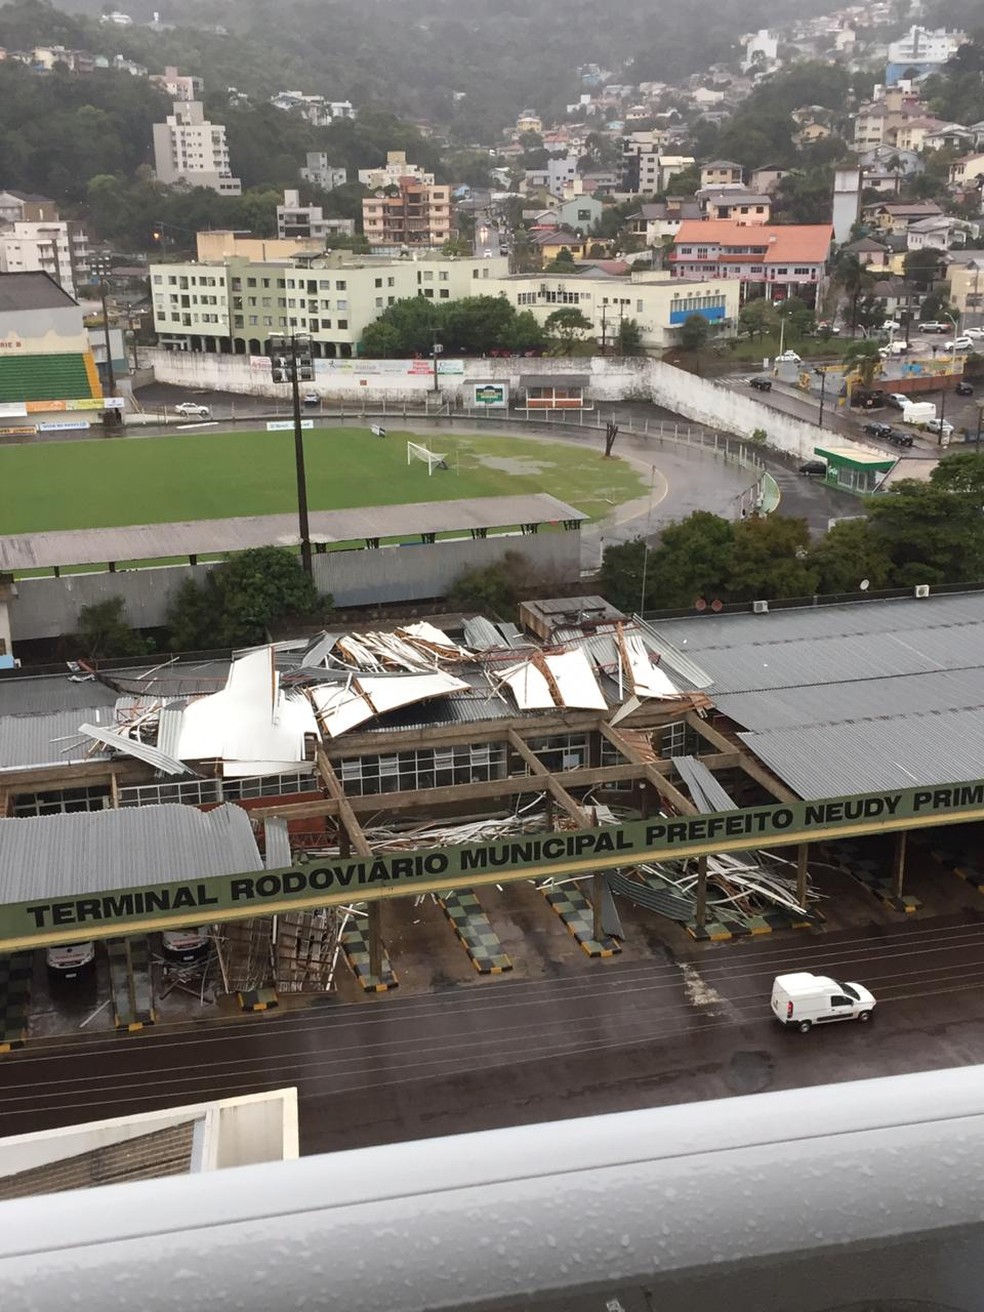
776, 260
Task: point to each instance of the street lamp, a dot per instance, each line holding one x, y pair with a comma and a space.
291, 362
436, 351
823, 388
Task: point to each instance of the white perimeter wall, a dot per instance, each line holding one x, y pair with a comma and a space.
612, 379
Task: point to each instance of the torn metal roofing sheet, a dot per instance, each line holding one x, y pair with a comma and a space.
529, 686
219, 536
342, 706
68, 855
31, 741
482, 635
250, 721
276, 841
643, 677
706, 791
120, 742
575, 680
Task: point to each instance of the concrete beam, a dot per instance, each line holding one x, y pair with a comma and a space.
681, 805
753, 768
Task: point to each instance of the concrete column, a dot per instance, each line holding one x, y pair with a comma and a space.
700, 914
597, 890
802, 871
898, 862
376, 938
8, 591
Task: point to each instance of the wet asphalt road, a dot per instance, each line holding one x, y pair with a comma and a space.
602, 1036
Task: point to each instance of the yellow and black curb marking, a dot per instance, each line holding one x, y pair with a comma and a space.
16, 973
355, 945
577, 914
130, 983
850, 859
960, 863
475, 932
258, 999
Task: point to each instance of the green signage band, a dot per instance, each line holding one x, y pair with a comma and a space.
320, 882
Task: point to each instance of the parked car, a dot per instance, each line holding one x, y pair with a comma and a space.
934, 326
71, 960
761, 384
192, 408
893, 348
802, 1000
788, 357
898, 438
312, 398
878, 430
832, 329
814, 468
939, 426
896, 400
890, 325
975, 333
959, 344
964, 389
185, 945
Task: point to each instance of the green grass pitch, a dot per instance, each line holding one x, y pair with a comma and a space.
113, 481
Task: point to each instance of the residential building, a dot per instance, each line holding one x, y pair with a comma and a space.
721, 173
871, 254
550, 242
900, 300
318, 111
529, 121
761, 50
914, 133
766, 178
558, 175
409, 213
59, 248
662, 219
890, 158
297, 220
580, 213
920, 51
178, 86
964, 171
965, 274
25, 207
735, 203
219, 244
775, 261
393, 172
323, 174
233, 306
938, 233
658, 303
896, 217
191, 150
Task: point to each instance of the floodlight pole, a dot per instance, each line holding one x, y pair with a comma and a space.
110, 375
290, 345
823, 386
436, 351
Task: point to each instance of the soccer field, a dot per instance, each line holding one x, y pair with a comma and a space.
113, 481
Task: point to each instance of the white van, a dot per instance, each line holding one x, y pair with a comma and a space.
71, 960
805, 1000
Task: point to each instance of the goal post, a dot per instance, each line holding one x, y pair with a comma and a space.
432, 459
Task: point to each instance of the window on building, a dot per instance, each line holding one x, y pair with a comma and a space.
94, 797
341, 286
378, 282
250, 282
444, 294
343, 323
443, 275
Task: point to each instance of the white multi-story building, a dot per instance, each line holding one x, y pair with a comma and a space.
657, 302
297, 220
395, 170
316, 109
178, 86
59, 249
190, 149
233, 306
321, 173
922, 51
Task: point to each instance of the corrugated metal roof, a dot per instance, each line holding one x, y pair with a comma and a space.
871, 755
47, 693
36, 740
706, 791
57, 856
866, 699
198, 537
122, 743
276, 838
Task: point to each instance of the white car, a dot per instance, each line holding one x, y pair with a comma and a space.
891, 326
939, 426
71, 960
192, 408
788, 357
893, 348
802, 1000
959, 344
975, 333
311, 398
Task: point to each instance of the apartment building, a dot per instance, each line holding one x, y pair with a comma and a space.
646, 170
189, 148
774, 261
303, 221
721, 173
393, 172
921, 51
233, 306
657, 302
320, 172
59, 248
178, 86
409, 213
25, 207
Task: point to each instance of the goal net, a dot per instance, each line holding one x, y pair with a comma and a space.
430, 458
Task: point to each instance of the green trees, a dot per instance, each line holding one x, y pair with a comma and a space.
241, 599
567, 328
913, 533
104, 631
694, 332
472, 326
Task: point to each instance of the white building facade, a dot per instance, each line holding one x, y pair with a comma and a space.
189, 149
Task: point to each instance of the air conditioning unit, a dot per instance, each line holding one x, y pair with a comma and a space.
760, 608
922, 589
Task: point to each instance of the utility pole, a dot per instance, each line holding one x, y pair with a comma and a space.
823, 387
436, 350
291, 362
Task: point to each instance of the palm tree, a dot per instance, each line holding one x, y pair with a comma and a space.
855, 280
